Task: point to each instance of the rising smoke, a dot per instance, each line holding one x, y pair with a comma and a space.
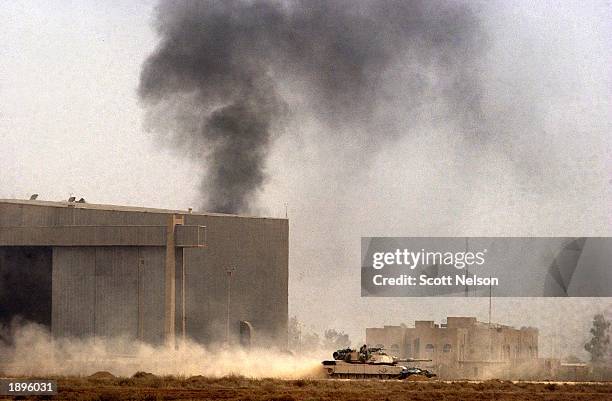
219, 79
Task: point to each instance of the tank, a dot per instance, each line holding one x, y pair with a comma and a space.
370, 363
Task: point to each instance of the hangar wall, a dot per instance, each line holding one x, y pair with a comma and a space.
109, 291
118, 290
258, 251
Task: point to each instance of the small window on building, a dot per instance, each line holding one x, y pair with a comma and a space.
447, 348
429, 347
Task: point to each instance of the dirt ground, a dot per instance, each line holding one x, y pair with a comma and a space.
144, 386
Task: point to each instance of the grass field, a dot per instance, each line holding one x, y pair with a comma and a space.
144, 386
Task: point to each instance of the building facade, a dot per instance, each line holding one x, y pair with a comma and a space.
461, 348
153, 275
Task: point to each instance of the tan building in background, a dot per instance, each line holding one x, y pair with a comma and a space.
461, 348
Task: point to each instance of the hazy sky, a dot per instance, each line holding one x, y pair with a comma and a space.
71, 123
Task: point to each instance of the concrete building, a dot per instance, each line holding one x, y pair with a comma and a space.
461, 348
154, 275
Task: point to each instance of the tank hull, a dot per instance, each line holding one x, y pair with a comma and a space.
347, 370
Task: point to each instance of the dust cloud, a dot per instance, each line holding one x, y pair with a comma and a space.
34, 352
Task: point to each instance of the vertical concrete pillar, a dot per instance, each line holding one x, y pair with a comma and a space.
170, 279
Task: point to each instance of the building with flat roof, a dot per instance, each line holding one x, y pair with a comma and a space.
153, 275
461, 348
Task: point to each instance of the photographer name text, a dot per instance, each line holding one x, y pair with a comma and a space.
424, 280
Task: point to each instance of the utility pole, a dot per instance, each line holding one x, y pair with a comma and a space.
467, 269
228, 271
490, 333
490, 300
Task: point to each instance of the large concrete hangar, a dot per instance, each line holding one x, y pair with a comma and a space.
89, 270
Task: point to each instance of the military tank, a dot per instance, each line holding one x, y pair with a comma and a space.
370, 363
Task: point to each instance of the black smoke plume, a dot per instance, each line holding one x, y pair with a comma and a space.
213, 81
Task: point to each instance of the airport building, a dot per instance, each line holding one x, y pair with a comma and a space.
462, 347
88, 270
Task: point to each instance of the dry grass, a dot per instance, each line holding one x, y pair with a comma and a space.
144, 386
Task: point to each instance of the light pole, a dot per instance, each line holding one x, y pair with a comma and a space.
228, 271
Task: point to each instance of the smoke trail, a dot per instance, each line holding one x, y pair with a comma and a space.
213, 81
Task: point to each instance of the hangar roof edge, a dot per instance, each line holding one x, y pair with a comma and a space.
118, 208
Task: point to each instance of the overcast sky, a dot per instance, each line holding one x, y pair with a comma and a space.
71, 124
